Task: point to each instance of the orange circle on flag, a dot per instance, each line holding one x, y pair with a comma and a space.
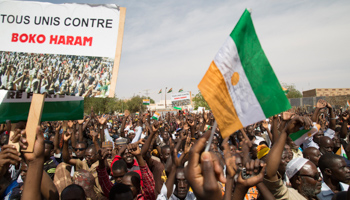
234, 78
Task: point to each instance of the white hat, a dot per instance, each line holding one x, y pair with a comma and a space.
294, 166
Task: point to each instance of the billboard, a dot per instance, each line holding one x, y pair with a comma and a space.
181, 99
60, 48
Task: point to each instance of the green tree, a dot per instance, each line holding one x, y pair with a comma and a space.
292, 91
199, 101
135, 104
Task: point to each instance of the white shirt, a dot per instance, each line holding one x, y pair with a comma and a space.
163, 194
327, 194
309, 142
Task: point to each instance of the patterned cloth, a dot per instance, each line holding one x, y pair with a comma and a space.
62, 177
147, 191
87, 181
92, 169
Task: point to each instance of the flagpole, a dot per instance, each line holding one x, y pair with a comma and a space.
211, 137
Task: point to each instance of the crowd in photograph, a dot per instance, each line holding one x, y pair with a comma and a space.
138, 156
55, 74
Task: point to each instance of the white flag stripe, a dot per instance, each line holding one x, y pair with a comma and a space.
243, 98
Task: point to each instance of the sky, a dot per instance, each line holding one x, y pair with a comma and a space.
171, 43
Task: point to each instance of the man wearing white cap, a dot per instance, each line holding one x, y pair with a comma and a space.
303, 174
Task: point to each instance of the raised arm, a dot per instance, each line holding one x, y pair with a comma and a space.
332, 121
56, 139
344, 127
35, 161
65, 153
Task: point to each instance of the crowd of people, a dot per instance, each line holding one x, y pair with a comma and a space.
55, 74
137, 157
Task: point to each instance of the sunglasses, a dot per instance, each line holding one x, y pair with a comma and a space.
316, 177
80, 149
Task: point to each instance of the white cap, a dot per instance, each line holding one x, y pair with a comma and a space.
294, 166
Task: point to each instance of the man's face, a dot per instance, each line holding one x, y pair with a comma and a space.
250, 131
90, 156
182, 186
326, 145
233, 148
165, 136
215, 140
317, 136
3, 139
340, 171
286, 157
314, 156
128, 157
336, 141
118, 175
131, 135
109, 150
310, 180
165, 154
47, 151
127, 181
80, 150
24, 169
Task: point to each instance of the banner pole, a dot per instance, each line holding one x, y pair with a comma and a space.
118, 52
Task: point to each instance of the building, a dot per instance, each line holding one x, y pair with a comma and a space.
325, 92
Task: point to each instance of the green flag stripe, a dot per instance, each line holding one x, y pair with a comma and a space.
52, 111
296, 135
259, 72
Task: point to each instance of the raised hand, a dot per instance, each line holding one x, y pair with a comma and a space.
134, 149
256, 169
8, 155
230, 160
67, 136
38, 151
70, 123
296, 123
94, 135
321, 103
204, 171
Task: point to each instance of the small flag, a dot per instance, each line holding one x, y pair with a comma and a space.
145, 102
181, 90
177, 108
171, 89
137, 113
347, 103
285, 90
160, 91
341, 152
156, 116
121, 114
302, 135
240, 85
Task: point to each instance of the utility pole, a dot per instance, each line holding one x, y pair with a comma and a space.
165, 97
147, 93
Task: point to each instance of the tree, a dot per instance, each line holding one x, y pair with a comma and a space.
292, 91
135, 104
199, 101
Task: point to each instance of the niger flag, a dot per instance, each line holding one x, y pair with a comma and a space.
240, 85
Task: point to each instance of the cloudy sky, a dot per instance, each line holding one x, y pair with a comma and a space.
171, 43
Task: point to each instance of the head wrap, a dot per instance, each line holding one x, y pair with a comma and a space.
107, 144
262, 151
